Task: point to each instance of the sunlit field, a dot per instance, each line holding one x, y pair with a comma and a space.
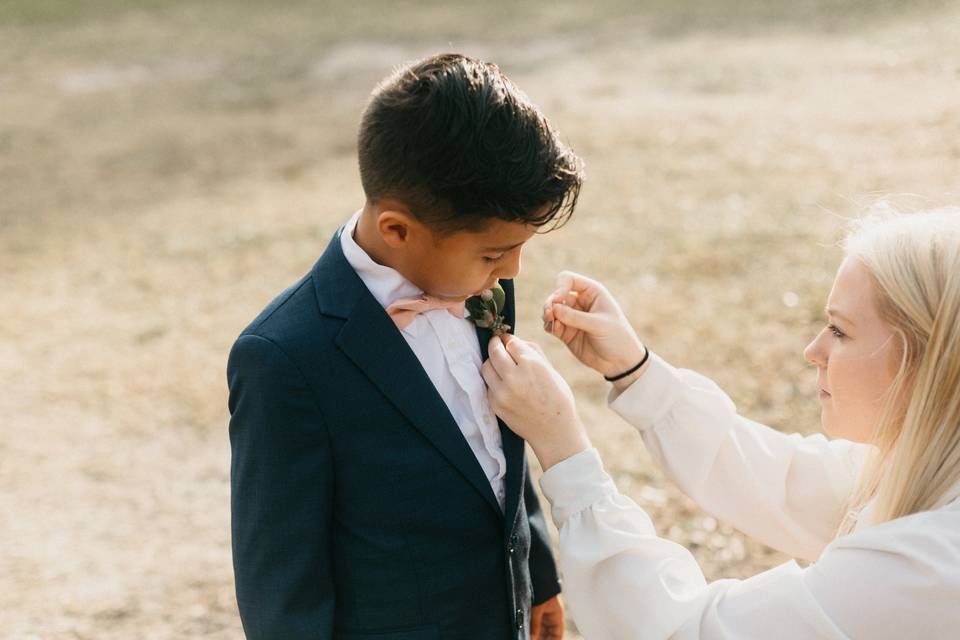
166, 168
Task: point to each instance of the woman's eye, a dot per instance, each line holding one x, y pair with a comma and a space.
489, 259
837, 333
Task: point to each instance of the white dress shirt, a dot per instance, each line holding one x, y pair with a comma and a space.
898, 579
449, 351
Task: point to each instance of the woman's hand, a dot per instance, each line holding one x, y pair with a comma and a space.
533, 399
583, 314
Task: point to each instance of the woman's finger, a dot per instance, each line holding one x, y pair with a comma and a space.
586, 289
536, 347
555, 327
546, 313
547, 316
562, 296
582, 320
502, 361
574, 281
516, 347
490, 375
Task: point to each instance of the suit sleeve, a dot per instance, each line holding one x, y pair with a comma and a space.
281, 482
543, 568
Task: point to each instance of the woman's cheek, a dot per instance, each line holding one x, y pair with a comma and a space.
853, 402
837, 381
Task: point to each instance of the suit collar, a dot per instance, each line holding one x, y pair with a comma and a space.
337, 286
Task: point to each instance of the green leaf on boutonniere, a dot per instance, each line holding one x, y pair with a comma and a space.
486, 309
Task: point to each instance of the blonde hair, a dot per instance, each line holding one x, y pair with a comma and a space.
914, 260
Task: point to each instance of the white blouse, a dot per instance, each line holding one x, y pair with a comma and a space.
898, 579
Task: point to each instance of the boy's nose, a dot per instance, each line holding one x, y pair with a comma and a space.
510, 269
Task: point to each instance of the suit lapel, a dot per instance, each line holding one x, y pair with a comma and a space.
371, 340
512, 444
513, 453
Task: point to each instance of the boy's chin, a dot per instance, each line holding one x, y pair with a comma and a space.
451, 297
456, 297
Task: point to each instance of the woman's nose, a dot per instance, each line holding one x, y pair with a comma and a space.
814, 353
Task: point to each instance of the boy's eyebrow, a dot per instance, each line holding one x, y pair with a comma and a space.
833, 312
497, 249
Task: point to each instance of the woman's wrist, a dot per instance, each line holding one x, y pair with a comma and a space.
556, 451
622, 384
628, 359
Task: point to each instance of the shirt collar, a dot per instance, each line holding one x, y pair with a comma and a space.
385, 283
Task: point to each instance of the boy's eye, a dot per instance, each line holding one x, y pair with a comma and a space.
837, 333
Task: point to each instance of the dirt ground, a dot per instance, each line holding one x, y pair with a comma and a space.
167, 167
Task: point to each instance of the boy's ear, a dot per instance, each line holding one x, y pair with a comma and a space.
394, 223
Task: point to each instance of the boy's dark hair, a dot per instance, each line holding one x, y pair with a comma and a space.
458, 143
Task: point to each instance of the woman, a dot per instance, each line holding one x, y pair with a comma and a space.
874, 509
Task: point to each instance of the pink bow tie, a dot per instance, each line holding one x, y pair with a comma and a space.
404, 311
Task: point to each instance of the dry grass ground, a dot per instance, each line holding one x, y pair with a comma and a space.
166, 168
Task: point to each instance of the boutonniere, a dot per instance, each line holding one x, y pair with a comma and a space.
486, 310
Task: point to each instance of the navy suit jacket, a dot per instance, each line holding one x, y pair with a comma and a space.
359, 510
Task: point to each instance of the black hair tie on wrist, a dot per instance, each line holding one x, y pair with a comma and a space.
646, 355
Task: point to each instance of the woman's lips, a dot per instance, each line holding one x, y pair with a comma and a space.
824, 395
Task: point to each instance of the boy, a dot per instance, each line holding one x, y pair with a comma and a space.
374, 493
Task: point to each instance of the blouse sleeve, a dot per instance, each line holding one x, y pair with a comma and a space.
622, 582
786, 491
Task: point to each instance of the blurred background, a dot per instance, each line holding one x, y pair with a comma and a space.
167, 167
